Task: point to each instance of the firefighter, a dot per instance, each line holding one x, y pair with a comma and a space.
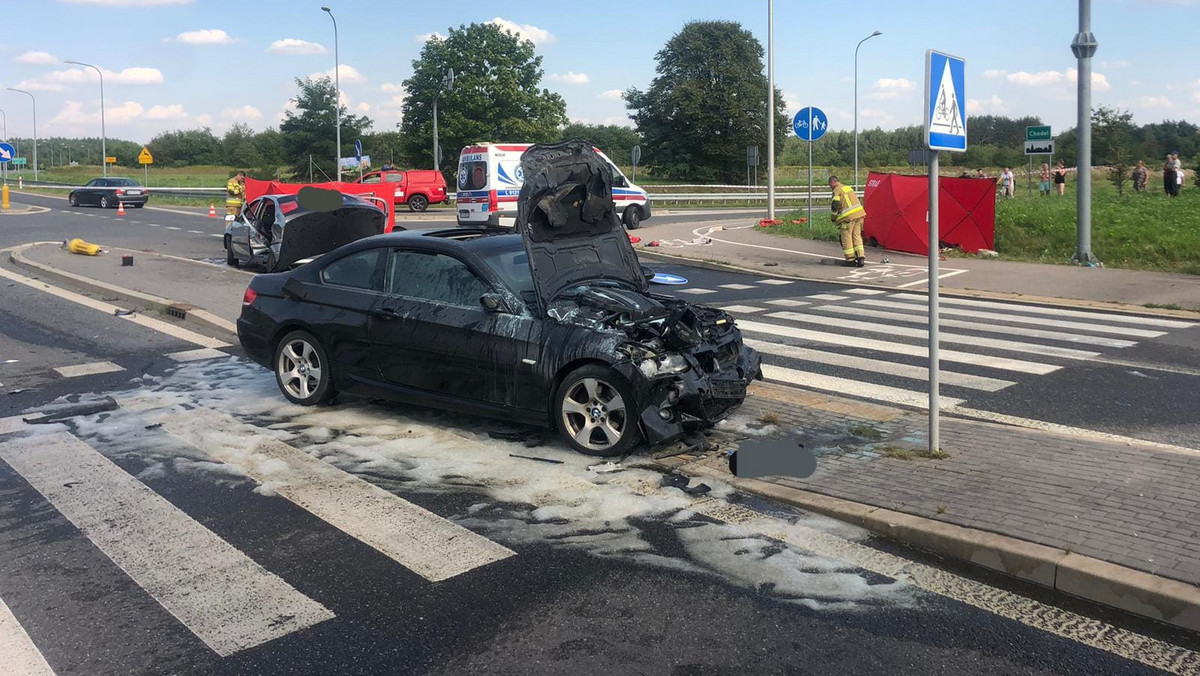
235, 194
848, 213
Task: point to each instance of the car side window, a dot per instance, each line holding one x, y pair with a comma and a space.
93, 183
433, 277
357, 271
395, 177
371, 178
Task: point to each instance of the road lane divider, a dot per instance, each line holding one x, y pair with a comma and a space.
221, 595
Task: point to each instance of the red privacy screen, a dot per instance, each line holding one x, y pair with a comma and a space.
897, 209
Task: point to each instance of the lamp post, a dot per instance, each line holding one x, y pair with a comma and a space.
856, 104
448, 85
103, 135
34, 102
337, 99
1084, 47
771, 110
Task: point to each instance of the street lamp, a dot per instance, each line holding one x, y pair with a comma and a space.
103, 135
448, 85
337, 99
856, 104
34, 102
771, 110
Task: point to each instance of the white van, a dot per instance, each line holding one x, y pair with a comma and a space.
490, 179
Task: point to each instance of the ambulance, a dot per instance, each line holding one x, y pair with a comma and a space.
490, 179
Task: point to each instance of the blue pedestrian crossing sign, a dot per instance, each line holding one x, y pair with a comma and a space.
7, 153
810, 124
945, 102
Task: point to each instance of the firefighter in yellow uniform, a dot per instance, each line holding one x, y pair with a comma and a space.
235, 194
849, 215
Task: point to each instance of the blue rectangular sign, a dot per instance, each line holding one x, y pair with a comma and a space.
945, 102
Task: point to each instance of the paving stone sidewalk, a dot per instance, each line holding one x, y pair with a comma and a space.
1127, 504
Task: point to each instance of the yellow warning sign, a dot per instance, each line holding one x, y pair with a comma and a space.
144, 157
110, 160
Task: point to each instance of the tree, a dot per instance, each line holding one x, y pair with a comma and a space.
616, 141
707, 103
311, 130
185, 148
496, 97
238, 147
1113, 132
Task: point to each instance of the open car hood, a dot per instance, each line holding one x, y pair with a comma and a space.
313, 233
568, 222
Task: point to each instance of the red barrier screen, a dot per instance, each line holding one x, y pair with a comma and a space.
256, 188
898, 205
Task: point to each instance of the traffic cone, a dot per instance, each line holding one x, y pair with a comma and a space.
120, 208
212, 211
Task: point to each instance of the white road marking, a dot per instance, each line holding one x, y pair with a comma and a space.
695, 291
825, 296
221, 595
88, 369
171, 227
738, 287
745, 309
941, 276
109, 309
197, 355
21, 657
775, 282
1001, 363
865, 292
946, 337
874, 366
1018, 319
154, 225
1057, 312
425, 543
195, 232
12, 423
788, 302
979, 326
215, 234
853, 388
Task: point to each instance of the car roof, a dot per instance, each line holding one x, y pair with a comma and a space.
478, 240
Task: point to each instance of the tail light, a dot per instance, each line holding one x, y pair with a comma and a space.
493, 203
249, 297
120, 191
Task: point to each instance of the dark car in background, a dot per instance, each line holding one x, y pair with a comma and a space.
109, 193
554, 326
277, 231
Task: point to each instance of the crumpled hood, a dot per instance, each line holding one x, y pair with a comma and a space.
314, 233
568, 222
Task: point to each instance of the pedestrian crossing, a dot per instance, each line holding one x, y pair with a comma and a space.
873, 344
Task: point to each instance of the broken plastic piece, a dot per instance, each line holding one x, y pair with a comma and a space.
606, 468
78, 246
532, 457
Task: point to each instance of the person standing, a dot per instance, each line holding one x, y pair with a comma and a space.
1008, 183
1178, 173
1169, 176
235, 195
849, 214
1060, 178
1140, 174
1044, 180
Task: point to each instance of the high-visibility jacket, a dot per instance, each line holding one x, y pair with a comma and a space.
234, 193
845, 206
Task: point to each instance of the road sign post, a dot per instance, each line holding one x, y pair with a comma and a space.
810, 124
358, 156
7, 154
146, 159
945, 129
751, 164
636, 156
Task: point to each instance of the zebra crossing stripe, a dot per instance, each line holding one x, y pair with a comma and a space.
853, 388
994, 343
17, 651
1002, 363
1056, 312
874, 366
1019, 319
222, 596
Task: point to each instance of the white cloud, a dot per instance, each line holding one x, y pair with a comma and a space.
892, 88
40, 86
994, 73
207, 36
571, 77
1158, 101
392, 88
620, 121
790, 97
426, 37
1099, 81
348, 74
61, 80
538, 36
296, 46
881, 118
128, 3
204, 120
613, 94
363, 108
174, 111
73, 114
1043, 78
992, 105
242, 114
37, 58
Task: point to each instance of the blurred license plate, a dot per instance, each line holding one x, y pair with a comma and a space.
727, 388
135, 192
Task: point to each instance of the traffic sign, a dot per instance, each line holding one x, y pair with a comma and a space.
110, 160
1039, 147
810, 124
145, 157
945, 102
19, 161
358, 150
7, 153
1041, 133
751, 156
637, 155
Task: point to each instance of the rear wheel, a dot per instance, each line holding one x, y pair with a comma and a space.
595, 411
105, 203
418, 203
302, 369
633, 217
73, 199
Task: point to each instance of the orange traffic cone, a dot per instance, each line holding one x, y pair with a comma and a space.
212, 211
120, 208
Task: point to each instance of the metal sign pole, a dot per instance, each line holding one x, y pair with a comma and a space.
810, 142
934, 252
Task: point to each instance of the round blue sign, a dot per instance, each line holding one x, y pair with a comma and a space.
664, 278
7, 153
810, 124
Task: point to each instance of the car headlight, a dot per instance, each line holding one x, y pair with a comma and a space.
671, 363
637, 353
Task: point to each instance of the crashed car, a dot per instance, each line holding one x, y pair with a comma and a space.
277, 231
554, 326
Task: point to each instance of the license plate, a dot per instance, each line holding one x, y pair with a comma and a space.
727, 388
134, 192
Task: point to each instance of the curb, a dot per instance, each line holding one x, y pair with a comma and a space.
1070, 303
194, 315
1151, 596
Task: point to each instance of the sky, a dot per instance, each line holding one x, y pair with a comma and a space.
172, 64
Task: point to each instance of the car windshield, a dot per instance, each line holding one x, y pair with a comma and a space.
122, 182
512, 265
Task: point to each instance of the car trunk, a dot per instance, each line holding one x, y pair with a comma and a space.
310, 234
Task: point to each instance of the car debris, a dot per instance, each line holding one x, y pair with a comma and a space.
80, 247
90, 408
606, 468
534, 457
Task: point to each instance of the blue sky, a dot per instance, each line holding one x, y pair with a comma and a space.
187, 63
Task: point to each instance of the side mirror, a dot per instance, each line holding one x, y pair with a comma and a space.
493, 302
647, 273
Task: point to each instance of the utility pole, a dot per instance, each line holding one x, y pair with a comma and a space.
103, 133
860, 42
337, 99
1084, 47
771, 110
447, 84
34, 102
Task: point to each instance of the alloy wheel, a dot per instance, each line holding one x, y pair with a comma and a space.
300, 369
594, 414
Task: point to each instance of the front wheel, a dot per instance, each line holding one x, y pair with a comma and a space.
633, 217
230, 259
105, 203
418, 203
302, 369
595, 411
73, 199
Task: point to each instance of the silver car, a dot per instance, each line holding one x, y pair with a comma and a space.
276, 231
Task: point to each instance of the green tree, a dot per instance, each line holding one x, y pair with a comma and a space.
184, 148
497, 95
707, 103
311, 130
238, 147
1112, 131
616, 141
